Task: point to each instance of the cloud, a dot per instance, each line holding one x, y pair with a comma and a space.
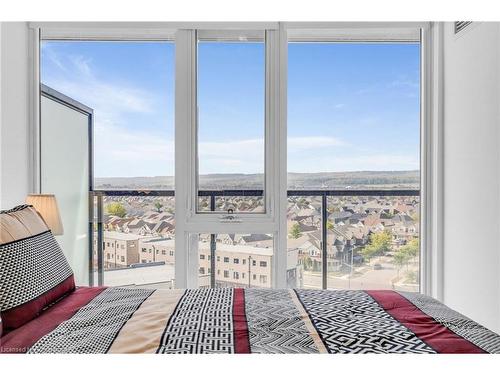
120, 152
296, 144
408, 87
78, 78
244, 148
405, 83
120, 147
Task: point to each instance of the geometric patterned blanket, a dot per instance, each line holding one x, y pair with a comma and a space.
121, 320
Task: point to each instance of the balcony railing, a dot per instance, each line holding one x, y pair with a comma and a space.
96, 225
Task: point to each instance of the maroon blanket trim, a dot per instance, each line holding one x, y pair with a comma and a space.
22, 338
19, 315
433, 333
240, 330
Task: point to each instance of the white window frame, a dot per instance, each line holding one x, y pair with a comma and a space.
188, 224
431, 174
187, 41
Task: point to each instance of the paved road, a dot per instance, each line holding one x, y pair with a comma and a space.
371, 279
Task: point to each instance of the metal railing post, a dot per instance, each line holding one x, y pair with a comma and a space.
324, 241
91, 238
100, 235
213, 247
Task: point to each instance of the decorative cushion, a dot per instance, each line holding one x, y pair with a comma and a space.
20, 222
33, 270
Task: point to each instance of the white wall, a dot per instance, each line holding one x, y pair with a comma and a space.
472, 172
14, 159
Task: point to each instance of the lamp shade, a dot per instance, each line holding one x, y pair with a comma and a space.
46, 205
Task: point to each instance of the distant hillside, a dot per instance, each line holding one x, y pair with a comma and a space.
326, 180
355, 180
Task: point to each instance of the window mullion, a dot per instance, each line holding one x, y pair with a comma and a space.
185, 116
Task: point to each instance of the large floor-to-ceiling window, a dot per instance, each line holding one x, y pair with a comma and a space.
297, 154
354, 164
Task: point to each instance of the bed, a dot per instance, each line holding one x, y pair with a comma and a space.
43, 312
121, 320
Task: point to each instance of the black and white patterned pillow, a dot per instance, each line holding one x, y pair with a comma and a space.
33, 274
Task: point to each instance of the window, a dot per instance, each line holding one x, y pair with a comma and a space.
231, 118
361, 104
130, 88
353, 155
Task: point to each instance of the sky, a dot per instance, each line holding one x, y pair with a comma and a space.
351, 107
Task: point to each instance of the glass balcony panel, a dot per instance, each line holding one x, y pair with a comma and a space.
373, 242
304, 254
241, 260
139, 241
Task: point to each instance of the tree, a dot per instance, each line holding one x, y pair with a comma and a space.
368, 252
116, 209
329, 225
158, 206
400, 259
412, 248
380, 243
307, 263
295, 231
